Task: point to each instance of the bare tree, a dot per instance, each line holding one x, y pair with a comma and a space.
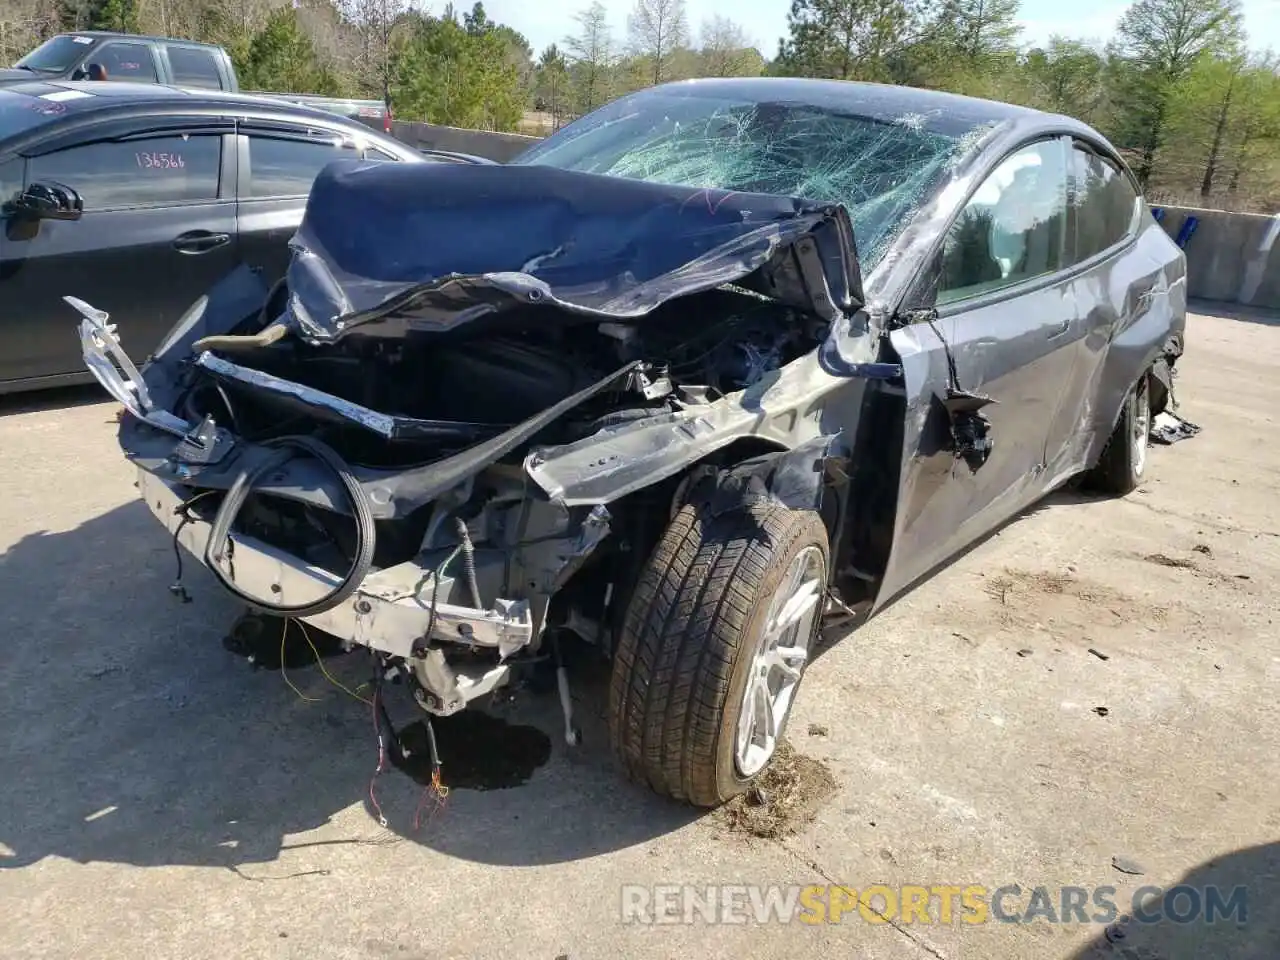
552, 75
591, 56
726, 51
374, 22
656, 28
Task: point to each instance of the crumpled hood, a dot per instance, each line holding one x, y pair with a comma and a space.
432, 246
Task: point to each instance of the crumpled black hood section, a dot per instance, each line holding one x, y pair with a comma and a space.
433, 246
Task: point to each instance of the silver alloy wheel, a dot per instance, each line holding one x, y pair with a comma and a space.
778, 659
1141, 427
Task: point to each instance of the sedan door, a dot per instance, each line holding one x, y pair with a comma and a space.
158, 230
278, 163
1115, 283
1001, 329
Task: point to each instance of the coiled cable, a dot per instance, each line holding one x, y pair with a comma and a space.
366, 532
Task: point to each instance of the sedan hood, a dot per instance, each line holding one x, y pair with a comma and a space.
11, 75
428, 247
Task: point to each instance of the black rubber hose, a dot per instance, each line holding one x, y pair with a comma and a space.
366, 532
468, 562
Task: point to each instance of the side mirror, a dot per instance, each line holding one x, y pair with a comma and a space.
46, 201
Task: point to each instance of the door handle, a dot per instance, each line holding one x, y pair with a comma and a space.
1060, 329
200, 241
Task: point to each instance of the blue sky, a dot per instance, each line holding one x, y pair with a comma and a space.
766, 20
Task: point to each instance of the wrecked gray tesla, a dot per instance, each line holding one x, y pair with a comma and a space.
708, 364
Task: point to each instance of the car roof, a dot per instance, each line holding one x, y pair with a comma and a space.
93, 95
950, 113
113, 35
82, 98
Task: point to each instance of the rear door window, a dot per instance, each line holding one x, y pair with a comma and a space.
1106, 204
281, 167
126, 61
136, 173
194, 67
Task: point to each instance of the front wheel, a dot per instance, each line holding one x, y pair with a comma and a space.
713, 648
1124, 459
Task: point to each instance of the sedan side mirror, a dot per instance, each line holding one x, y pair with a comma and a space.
46, 201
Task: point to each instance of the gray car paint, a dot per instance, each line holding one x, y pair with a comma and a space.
1058, 394
1068, 388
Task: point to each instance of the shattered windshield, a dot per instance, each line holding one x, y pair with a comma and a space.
880, 169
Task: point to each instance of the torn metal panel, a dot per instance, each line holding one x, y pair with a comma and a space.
322, 404
793, 478
625, 247
784, 409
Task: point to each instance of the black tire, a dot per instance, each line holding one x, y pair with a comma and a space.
687, 645
1122, 465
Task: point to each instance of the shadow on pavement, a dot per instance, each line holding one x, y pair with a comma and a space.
1234, 311
131, 736
1253, 936
37, 400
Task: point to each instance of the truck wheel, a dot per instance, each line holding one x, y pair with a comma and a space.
713, 647
1124, 459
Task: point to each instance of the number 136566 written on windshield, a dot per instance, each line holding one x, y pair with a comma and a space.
160, 161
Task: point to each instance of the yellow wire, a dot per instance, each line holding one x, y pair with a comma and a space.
320, 664
302, 696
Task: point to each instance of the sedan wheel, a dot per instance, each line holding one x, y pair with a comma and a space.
1124, 459
714, 645
779, 657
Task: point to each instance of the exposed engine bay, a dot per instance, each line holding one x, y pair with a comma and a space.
453, 470
475, 384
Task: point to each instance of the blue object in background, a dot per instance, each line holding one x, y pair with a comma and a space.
1188, 228
1157, 213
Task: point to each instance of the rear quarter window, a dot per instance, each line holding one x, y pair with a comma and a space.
193, 67
1106, 205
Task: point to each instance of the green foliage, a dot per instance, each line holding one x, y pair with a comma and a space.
459, 75
119, 15
281, 57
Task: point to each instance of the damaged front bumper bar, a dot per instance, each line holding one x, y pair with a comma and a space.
391, 612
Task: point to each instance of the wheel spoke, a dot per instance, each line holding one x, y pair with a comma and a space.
769, 724
790, 660
801, 602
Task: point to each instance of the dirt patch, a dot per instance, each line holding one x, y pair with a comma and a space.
784, 798
1164, 560
1017, 587
1061, 603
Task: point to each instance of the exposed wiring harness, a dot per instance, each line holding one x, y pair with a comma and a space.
468, 565
217, 549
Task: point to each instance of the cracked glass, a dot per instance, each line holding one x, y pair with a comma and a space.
881, 169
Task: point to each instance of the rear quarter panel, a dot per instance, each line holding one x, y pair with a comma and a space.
1144, 326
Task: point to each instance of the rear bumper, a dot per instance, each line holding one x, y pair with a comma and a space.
391, 612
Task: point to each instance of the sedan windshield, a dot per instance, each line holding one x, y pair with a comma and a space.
56, 54
881, 170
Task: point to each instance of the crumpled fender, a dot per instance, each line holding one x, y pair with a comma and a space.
790, 478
